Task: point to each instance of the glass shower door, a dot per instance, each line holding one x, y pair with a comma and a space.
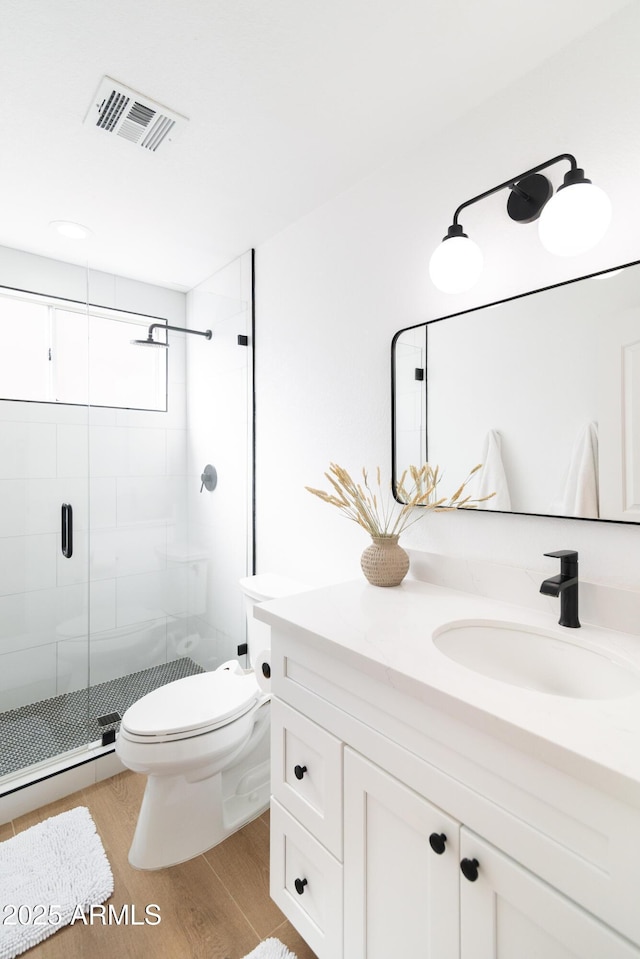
44, 528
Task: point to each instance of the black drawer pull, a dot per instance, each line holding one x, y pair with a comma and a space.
469, 869
299, 771
437, 841
300, 884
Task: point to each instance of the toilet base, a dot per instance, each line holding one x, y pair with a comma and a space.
180, 818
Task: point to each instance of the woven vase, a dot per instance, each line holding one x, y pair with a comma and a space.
384, 563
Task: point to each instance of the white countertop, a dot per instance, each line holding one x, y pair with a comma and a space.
386, 634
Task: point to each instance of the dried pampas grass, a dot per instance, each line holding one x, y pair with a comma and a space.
382, 515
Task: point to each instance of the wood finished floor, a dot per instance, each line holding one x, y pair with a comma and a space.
216, 906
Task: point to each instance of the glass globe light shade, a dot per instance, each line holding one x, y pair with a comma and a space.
574, 219
456, 265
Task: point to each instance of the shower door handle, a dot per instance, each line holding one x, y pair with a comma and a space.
67, 530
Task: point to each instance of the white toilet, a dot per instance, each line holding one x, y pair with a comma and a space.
203, 742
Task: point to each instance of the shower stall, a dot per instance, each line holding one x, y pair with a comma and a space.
126, 506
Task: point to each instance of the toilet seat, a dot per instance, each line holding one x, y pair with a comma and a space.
190, 707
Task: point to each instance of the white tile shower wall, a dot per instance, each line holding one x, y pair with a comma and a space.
137, 647
28, 678
218, 395
336, 285
124, 471
28, 624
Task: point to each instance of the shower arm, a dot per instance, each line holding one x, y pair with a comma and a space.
179, 329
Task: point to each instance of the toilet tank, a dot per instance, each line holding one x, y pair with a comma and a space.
258, 589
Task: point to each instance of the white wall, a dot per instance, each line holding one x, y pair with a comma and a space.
124, 471
333, 288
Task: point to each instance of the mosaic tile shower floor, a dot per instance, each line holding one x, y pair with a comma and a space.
32, 734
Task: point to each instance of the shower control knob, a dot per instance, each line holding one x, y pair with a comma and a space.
437, 841
299, 771
300, 884
469, 868
209, 478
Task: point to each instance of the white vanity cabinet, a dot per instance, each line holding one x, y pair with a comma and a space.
404, 888
509, 913
381, 791
306, 828
400, 897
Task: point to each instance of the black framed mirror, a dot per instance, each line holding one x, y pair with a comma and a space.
543, 388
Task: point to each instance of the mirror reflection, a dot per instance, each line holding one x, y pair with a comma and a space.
543, 389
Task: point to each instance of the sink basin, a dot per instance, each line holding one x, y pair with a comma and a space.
536, 659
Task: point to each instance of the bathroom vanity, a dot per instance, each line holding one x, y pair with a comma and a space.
423, 808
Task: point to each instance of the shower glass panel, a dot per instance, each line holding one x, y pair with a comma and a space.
44, 521
220, 412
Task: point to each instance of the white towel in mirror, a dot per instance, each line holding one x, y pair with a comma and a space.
580, 492
492, 477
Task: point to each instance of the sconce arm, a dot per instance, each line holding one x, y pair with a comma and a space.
513, 181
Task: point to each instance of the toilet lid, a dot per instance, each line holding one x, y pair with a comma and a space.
193, 704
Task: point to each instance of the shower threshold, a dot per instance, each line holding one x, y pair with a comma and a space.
33, 736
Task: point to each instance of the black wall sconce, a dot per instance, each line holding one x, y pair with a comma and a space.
572, 221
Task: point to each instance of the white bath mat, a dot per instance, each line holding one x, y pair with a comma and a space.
47, 874
271, 949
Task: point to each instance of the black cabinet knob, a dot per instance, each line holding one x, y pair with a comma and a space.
469, 869
437, 841
299, 771
300, 884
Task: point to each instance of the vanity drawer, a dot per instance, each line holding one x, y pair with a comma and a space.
306, 883
306, 774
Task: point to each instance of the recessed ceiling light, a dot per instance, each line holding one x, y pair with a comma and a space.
74, 231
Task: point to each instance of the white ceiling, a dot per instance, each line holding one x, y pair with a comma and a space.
289, 102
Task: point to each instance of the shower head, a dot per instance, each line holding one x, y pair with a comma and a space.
150, 342
165, 326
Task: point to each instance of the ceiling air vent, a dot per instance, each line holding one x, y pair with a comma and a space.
117, 109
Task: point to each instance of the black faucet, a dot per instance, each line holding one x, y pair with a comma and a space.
565, 585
